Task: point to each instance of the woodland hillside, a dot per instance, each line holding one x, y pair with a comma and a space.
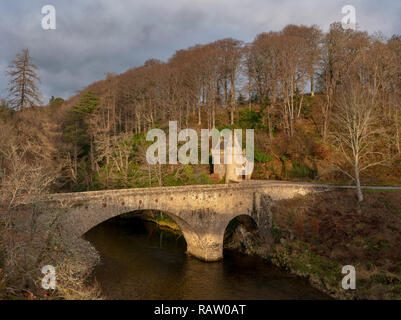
325, 108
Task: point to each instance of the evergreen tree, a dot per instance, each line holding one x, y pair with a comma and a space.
23, 85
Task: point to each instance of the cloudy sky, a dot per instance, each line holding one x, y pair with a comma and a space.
94, 37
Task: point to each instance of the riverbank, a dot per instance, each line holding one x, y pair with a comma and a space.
315, 236
25, 248
162, 220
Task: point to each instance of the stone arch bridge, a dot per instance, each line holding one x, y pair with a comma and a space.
201, 212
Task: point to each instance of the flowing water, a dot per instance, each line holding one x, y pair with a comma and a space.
142, 261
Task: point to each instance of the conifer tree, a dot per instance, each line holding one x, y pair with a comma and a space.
23, 85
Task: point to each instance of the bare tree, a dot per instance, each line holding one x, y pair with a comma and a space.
355, 133
312, 36
23, 84
231, 54
264, 70
394, 44
293, 71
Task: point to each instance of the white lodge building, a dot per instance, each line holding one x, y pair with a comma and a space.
233, 172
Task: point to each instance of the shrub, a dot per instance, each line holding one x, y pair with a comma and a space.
320, 151
262, 157
250, 119
276, 232
302, 171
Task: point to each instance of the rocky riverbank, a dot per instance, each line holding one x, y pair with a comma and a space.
315, 236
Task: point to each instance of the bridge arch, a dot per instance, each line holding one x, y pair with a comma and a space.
190, 235
240, 223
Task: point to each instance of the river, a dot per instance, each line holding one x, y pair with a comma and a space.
139, 260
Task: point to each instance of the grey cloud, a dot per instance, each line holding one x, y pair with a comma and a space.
98, 36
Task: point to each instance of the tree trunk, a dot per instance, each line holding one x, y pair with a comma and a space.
232, 96
199, 116
214, 116
160, 175
269, 123
92, 158
397, 132
150, 176
358, 184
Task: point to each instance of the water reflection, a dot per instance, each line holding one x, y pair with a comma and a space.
142, 261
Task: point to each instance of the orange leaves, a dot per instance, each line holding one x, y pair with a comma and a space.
315, 225
299, 226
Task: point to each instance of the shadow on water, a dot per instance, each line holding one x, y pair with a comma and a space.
142, 261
